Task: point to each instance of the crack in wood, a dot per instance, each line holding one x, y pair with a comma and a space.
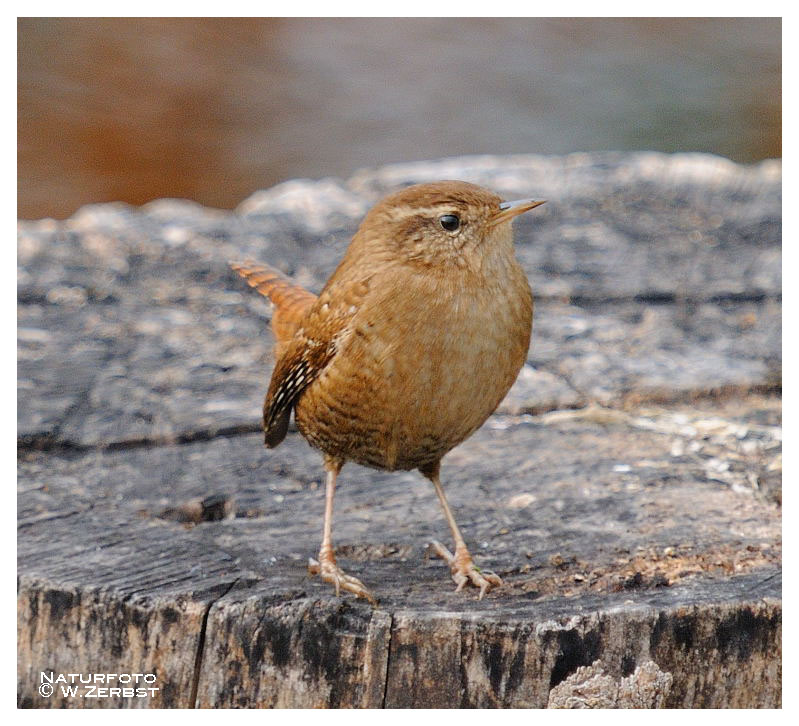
389, 645
198, 659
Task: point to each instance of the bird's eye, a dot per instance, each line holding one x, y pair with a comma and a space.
450, 222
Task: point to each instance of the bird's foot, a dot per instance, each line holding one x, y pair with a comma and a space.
464, 570
330, 572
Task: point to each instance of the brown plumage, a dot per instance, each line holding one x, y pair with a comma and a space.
412, 343
290, 300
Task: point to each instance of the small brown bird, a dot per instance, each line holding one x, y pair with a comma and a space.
411, 345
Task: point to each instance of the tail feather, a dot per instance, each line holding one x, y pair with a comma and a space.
291, 301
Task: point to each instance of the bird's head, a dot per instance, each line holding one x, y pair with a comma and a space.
440, 223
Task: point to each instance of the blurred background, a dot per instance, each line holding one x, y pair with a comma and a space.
214, 109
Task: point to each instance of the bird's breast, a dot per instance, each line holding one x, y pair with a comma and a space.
421, 367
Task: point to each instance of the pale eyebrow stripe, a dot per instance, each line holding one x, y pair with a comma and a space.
398, 213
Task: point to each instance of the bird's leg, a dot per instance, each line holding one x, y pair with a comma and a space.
326, 567
461, 564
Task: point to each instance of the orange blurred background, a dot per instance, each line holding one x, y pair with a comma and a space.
213, 109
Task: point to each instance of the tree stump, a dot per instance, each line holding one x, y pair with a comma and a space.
627, 490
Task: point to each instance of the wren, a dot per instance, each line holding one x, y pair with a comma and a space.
410, 346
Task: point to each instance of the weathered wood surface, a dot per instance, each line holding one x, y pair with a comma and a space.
156, 535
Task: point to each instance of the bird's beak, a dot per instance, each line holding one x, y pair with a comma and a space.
509, 210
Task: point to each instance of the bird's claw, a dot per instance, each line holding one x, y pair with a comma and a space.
464, 571
330, 572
